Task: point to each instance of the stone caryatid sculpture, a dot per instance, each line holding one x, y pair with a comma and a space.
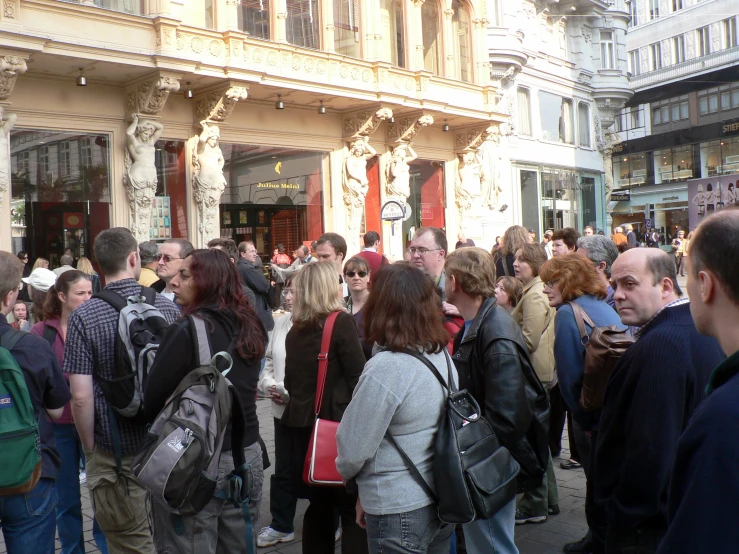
469, 185
492, 162
7, 121
398, 171
140, 177
356, 183
208, 181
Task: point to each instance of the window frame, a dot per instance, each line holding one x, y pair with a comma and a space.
607, 49
588, 141
678, 49
703, 41
655, 56
527, 93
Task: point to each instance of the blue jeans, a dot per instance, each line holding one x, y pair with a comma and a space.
28, 521
69, 506
418, 531
494, 535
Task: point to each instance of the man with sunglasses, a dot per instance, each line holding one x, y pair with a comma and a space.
171, 252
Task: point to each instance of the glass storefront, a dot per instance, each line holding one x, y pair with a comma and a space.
273, 196
427, 196
60, 193
169, 215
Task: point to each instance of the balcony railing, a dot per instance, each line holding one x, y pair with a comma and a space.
710, 62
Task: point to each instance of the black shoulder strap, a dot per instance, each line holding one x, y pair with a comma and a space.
150, 295
49, 334
412, 467
112, 298
11, 338
448, 385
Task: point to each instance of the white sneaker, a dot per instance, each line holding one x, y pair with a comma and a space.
270, 537
83, 477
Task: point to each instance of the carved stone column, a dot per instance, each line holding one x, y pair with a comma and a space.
212, 106
11, 66
145, 99
478, 180
358, 127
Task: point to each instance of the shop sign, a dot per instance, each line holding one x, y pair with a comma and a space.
729, 127
670, 198
392, 211
621, 195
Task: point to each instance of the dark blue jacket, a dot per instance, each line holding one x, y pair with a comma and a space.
703, 510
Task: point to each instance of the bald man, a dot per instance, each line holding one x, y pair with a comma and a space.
651, 394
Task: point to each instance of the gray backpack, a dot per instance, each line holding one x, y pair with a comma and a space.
178, 461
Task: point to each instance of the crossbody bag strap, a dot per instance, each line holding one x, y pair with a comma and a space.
412, 467
431, 366
201, 339
578, 312
328, 329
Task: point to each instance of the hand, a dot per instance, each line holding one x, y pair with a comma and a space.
21, 322
450, 309
360, 515
275, 396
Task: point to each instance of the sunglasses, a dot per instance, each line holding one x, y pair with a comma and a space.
166, 258
351, 274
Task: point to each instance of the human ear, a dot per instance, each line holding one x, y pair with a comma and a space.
707, 287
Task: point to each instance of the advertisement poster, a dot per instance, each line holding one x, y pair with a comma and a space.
710, 195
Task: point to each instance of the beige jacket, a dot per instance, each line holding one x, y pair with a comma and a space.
536, 319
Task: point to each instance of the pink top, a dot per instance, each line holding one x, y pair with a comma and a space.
58, 348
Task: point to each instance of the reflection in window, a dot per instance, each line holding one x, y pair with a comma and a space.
391, 17
673, 164
583, 124
557, 118
302, 23
209, 15
720, 157
431, 37
524, 112
461, 34
346, 27
254, 18
126, 6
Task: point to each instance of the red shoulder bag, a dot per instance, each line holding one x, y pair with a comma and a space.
320, 460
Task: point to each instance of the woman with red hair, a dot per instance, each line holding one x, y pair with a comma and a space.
208, 286
573, 279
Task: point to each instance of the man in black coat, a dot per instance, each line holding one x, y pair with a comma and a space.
493, 364
256, 281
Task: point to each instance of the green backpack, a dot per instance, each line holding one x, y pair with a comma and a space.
20, 444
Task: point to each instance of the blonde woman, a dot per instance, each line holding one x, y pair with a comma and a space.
316, 297
84, 265
41, 262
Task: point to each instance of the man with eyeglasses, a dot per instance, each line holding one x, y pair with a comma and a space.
171, 252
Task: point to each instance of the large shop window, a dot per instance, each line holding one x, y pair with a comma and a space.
427, 196
556, 114
302, 23
254, 18
673, 164
431, 35
169, 213
559, 202
392, 22
719, 157
631, 170
60, 192
346, 27
272, 196
462, 37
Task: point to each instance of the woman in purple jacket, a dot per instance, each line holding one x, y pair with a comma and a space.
71, 289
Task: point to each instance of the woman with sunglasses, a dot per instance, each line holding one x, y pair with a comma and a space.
208, 286
357, 276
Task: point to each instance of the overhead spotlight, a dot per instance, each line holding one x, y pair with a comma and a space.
445, 127
322, 109
188, 92
81, 79
279, 105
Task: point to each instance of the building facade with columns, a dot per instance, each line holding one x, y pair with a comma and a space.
561, 72
264, 120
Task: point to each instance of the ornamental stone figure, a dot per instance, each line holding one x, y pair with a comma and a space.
469, 181
7, 121
398, 171
208, 181
140, 177
356, 183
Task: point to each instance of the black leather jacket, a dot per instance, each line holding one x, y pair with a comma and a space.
493, 364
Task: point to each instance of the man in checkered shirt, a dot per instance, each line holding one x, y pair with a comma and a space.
118, 500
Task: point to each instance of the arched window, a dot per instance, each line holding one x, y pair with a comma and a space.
393, 25
431, 35
462, 41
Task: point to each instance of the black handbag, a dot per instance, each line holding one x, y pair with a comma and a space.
474, 475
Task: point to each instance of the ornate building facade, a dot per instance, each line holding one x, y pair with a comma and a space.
263, 120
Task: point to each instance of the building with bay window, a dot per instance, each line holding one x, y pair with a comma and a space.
277, 91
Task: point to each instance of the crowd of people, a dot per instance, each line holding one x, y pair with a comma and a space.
512, 327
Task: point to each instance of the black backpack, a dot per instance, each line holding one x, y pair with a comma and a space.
474, 475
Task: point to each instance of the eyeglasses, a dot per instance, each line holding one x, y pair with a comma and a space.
420, 250
286, 292
551, 284
351, 274
166, 258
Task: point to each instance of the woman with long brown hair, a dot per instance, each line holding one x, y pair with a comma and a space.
317, 295
398, 394
208, 286
72, 288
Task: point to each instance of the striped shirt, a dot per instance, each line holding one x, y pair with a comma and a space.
90, 345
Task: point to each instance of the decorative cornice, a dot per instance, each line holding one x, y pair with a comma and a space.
217, 104
364, 122
149, 95
472, 138
405, 128
10, 67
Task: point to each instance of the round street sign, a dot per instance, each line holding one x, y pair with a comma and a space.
392, 210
